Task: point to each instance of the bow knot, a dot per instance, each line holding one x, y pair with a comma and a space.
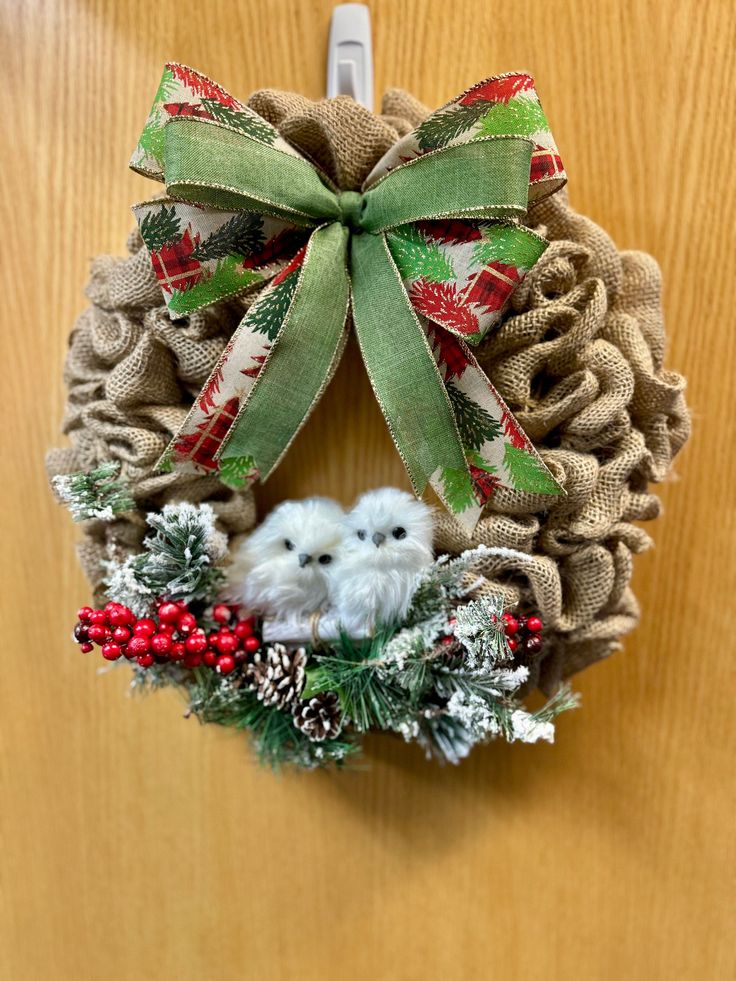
351, 205
445, 251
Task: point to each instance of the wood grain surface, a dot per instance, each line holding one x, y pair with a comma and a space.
135, 845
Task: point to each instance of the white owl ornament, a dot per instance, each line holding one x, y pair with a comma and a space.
283, 568
387, 543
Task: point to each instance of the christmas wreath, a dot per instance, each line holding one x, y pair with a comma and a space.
516, 356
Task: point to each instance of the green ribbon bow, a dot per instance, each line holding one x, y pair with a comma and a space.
231, 163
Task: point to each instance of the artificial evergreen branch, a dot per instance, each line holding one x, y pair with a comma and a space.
447, 582
96, 494
368, 699
445, 679
276, 739
180, 560
479, 629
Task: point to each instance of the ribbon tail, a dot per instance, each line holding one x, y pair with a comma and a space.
300, 362
404, 375
194, 446
497, 451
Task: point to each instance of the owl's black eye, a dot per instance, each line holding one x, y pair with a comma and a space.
289, 544
399, 532
324, 559
361, 535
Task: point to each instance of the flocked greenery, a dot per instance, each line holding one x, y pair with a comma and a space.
99, 493
445, 678
180, 560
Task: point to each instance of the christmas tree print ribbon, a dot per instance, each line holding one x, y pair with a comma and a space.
425, 256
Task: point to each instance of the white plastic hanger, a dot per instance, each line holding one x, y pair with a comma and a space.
350, 54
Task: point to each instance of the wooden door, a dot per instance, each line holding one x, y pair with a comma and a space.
134, 845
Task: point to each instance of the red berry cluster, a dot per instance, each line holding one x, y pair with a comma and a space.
173, 634
523, 632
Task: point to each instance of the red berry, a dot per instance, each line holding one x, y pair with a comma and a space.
168, 613
221, 613
252, 644
196, 643
167, 628
111, 652
112, 605
534, 625
118, 617
121, 634
510, 626
144, 628
98, 617
448, 640
513, 643
178, 650
146, 660
139, 645
99, 633
187, 623
84, 613
209, 658
192, 660
533, 644
161, 643
86, 648
225, 663
243, 629
81, 633
226, 642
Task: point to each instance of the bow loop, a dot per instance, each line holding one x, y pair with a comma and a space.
487, 179
444, 249
208, 163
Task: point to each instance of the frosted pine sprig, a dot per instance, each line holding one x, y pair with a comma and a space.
94, 494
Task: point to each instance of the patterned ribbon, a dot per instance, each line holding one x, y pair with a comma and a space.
426, 255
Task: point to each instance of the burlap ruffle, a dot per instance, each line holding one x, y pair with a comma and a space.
579, 359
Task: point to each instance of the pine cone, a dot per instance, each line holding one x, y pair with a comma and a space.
319, 717
277, 675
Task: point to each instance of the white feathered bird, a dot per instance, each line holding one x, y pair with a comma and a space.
282, 568
388, 542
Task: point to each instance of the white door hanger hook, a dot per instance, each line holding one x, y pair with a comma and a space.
350, 54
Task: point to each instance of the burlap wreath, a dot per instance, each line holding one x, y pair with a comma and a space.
578, 358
